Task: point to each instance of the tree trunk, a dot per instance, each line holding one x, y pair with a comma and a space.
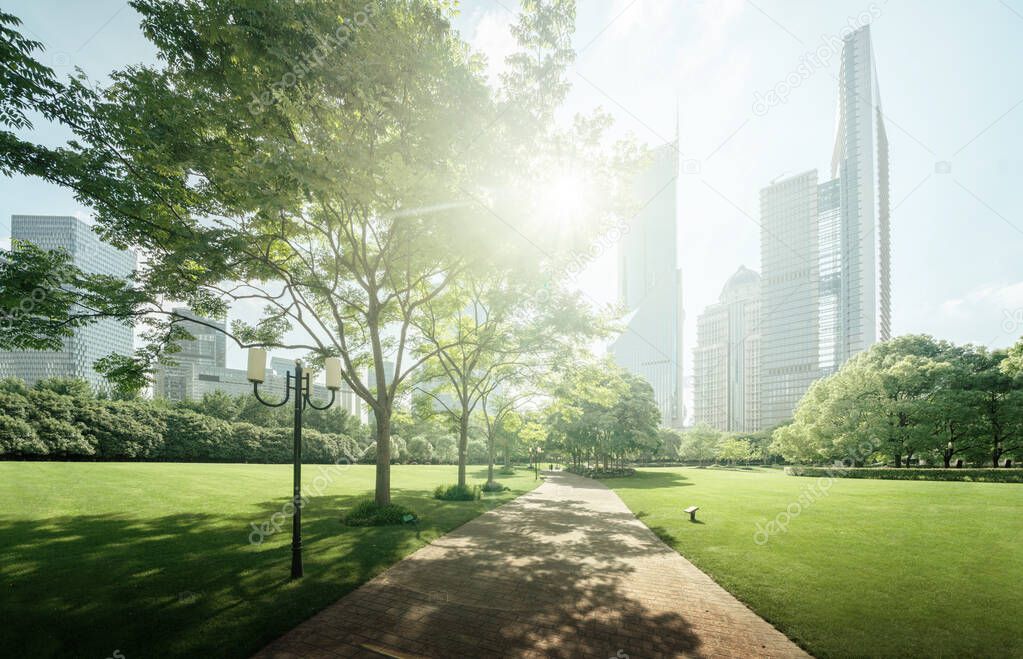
463, 445
898, 460
490, 465
383, 435
948, 460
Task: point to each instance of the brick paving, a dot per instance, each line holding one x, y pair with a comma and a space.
564, 571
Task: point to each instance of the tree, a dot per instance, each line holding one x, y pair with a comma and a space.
733, 449
329, 160
669, 440
420, 450
601, 412
498, 408
699, 444
237, 199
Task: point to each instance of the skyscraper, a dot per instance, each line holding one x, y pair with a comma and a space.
826, 248
650, 287
789, 315
860, 163
89, 343
726, 361
208, 349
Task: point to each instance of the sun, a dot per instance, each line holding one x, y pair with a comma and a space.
563, 199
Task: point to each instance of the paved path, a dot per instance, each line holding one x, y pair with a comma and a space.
564, 571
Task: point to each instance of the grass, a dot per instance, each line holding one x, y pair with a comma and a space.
155, 559
872, 568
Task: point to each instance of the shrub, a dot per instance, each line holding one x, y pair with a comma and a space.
368, 513
17, 437
506, 471
458, 492
494, 486
989, 475
123, 429
193, 437
590, 472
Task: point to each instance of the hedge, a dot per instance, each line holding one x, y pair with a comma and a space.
44, 425
989, 475
589, 472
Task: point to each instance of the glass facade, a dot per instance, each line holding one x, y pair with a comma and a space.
826, 248
726, 361
91, 342
650, 287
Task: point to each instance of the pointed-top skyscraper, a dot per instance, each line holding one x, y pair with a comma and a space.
860, 164
826, 248
650, 286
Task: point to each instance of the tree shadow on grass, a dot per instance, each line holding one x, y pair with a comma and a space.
646, 480
189, 584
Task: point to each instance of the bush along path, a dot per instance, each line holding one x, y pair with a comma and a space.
564, 571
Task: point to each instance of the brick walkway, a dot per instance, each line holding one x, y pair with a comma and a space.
565, 571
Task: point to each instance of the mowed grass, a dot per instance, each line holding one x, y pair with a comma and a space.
155, 559
873, 568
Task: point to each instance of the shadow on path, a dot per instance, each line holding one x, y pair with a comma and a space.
564, 571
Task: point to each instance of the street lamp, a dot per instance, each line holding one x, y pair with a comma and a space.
535, 452
300, 382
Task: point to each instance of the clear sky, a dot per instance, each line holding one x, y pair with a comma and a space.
950, 87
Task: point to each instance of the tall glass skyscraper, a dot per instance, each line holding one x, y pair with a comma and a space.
860, 164
650, 287
91, 342
826, 248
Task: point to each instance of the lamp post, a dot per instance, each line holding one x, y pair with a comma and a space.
300, 381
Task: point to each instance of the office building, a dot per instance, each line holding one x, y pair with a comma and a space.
200, 368
789, 313
826, 248
80, 351
650, 287
726, 360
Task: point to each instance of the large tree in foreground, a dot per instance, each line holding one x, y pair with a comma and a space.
311, 158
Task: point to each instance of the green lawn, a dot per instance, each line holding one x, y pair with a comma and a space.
155, 559
872, 568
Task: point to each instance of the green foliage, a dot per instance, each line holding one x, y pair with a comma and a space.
611, 472
602, 412
733, 450
458, 492
912, 398
989, 475
353, 194
700, 444
493, 486
369, 513
62, 420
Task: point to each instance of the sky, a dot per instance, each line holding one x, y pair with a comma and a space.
951, 95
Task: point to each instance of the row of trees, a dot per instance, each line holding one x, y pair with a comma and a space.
704, 445
912, 398
601, 415
344, 165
